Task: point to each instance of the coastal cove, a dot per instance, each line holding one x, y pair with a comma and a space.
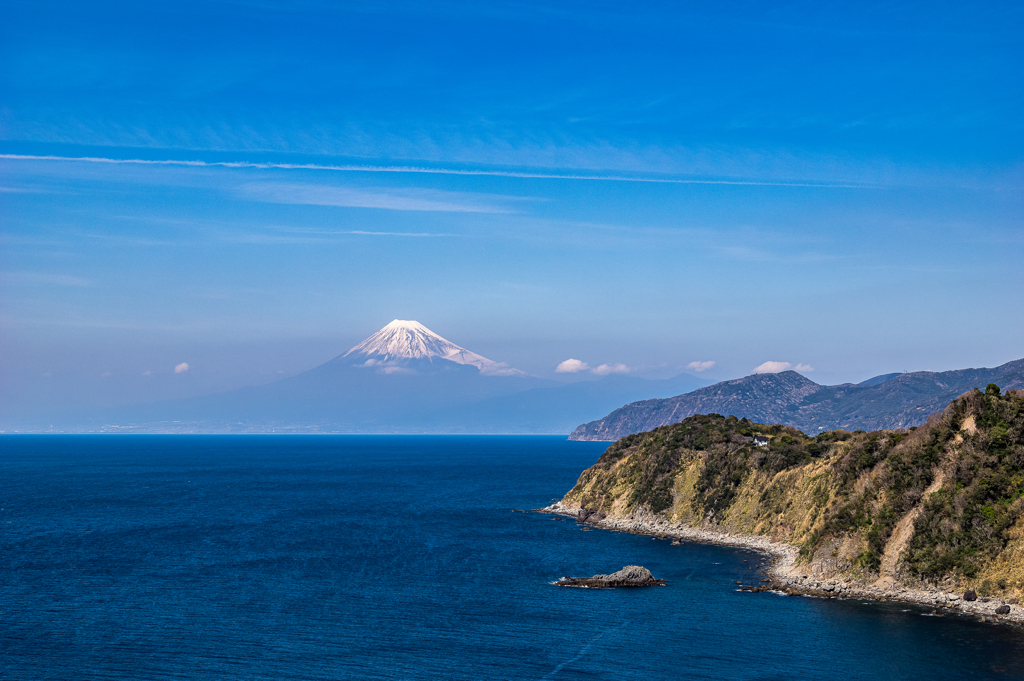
787, 576
398, 557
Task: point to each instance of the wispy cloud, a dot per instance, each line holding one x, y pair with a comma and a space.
44, 278
64, 322
274, 234
575, 366
367, 232
126, 240
389, 199
776, 367
747, 254
316, 236
359, 231
19, 190
571, 366
605, 369
700, 366
772, 367
439, 171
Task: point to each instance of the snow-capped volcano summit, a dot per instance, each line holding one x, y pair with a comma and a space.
406, 339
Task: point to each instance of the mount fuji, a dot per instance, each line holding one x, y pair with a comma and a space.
390, 349
402, 379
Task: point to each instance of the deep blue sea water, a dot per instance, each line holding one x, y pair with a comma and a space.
365, 557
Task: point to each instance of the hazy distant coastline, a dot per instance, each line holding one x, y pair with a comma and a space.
888, 401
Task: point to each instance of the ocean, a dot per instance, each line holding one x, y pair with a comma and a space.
397, 557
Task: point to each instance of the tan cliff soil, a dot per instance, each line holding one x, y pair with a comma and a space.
901, 537
788, 575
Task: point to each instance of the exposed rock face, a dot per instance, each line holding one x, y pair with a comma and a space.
790, 399
631, 575
589, 515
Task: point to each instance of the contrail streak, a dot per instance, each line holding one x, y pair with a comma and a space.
425, 170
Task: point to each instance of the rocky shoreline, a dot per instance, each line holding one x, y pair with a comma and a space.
784, 575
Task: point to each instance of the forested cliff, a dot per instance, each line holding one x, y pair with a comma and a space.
942, 503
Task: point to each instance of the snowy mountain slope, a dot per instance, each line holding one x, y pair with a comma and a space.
406, 339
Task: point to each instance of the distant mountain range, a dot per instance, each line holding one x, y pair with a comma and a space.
888, 401
402, 379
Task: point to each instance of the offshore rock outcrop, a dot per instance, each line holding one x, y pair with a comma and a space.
927, 515
629, 576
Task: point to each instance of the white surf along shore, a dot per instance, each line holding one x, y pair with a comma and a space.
789, 576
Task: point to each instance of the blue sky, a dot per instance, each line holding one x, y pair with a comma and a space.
252, 188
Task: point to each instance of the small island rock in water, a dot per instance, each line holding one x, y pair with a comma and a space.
631, 575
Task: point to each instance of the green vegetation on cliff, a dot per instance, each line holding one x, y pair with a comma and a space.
943, 502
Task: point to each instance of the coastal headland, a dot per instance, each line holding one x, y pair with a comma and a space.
932, 516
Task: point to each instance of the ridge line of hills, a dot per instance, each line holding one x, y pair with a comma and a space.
788, 398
